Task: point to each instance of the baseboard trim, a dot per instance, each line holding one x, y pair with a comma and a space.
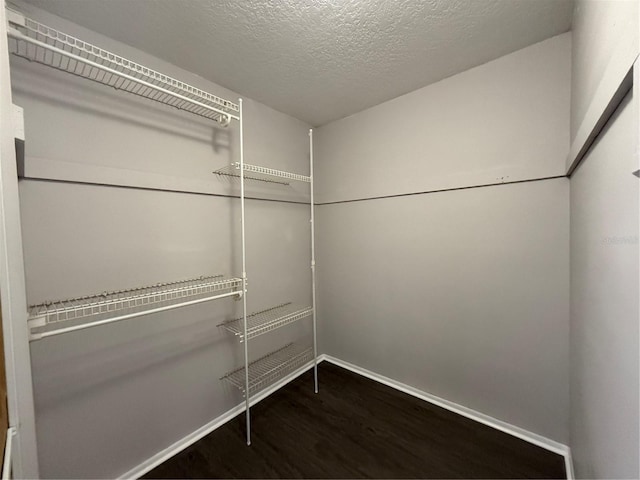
568, 465
505, 427
193, 437
203, 431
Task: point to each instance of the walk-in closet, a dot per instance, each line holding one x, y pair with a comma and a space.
383, 239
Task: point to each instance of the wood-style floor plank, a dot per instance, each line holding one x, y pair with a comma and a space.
357, 428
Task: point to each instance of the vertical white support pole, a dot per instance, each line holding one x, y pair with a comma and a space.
244, 281
313, 268
12, 284
636, 100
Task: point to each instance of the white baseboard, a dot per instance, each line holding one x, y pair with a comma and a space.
193, 437
203, 431
505, 427
568, 465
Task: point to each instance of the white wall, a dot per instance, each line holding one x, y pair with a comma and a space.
606, 38
462, 294
110, 397
503, 121
604, 304
604, 241
465, 293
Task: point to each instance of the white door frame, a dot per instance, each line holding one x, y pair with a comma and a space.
12, 284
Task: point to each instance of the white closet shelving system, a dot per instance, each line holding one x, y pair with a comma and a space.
258, 374
39, 43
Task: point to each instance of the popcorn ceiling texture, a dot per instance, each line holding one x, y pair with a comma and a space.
320, 60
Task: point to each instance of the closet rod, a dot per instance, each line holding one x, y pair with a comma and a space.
38, 335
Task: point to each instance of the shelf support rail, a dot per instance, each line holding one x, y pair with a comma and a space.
244, 281
313, 267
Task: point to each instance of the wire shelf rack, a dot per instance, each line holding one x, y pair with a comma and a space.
262, 174
52, 318
271, 368
267, 320
42, 44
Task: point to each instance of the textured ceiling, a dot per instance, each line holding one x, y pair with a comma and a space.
320, 60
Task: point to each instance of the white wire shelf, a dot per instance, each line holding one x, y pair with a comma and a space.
263, 174
39, 43
271, 368
62, 316
267, 320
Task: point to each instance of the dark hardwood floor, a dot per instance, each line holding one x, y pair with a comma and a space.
357, 428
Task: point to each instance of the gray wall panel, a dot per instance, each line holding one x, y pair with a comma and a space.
464, 295
604, 304
503, 121
605, 36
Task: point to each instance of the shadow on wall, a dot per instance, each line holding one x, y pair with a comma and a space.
89, 370
58, 89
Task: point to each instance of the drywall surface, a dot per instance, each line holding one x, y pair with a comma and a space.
462, 294
110, 397
605, 37
604, 304
503, 121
